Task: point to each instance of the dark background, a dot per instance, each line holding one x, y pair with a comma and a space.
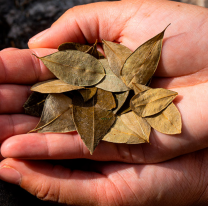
22, 19
19, 21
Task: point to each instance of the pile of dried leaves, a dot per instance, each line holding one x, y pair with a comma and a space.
104, 98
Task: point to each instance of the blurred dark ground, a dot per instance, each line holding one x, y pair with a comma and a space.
22, 19
19, 21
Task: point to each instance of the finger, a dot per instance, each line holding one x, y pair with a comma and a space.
21, 67
16, 124
13, 97
54, 183
9, 49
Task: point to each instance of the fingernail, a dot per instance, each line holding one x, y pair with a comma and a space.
37, 36
9, 174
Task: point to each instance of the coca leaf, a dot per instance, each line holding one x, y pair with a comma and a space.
167, 121
93, 118
142, 63
74, 67
88, 93
120, 133
116, 55
105, 100
111, 82
92, 50
137, 124
52, 120
34, 104
54, 86
139, 88
151, 101
120, 100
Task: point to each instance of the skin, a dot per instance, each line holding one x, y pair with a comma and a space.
169, 171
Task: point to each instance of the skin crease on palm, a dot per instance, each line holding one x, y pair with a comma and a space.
169, 171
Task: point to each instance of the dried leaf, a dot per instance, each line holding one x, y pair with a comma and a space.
120, 99
142, 63
111, 82
52, 120
34, 104
139, 88
116, 55
54, 86
73, 46
151, 101
74, 67
137, 124
92, 50
93, 118
120, 133
105, 100
167, 121
88, 93
126, 106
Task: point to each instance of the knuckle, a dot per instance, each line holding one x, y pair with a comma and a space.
48, 192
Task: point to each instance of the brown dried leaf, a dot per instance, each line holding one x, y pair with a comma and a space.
137, 124
142, 63
92, 50
34, 104
151, 101
54, 86
116, 55
74, 67
88, 93
120, 100
111, 82
139, 88
73, 46
120, 133
52, 120
167, 121
93, 118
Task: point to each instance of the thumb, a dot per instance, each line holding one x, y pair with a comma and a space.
81, 24
52, 183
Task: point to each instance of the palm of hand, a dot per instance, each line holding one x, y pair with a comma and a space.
182, 68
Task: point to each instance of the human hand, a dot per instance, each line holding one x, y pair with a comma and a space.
130, 23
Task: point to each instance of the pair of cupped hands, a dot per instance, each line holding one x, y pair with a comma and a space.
171, 170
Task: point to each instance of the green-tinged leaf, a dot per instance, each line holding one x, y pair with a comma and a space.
116, 55
167, 121
34, 104
111, 82
57, 115
88, 93
74, 67
151, 101
120, 100
120, 133
93, 118
142, 63
139, 88
137, 124
54, 86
